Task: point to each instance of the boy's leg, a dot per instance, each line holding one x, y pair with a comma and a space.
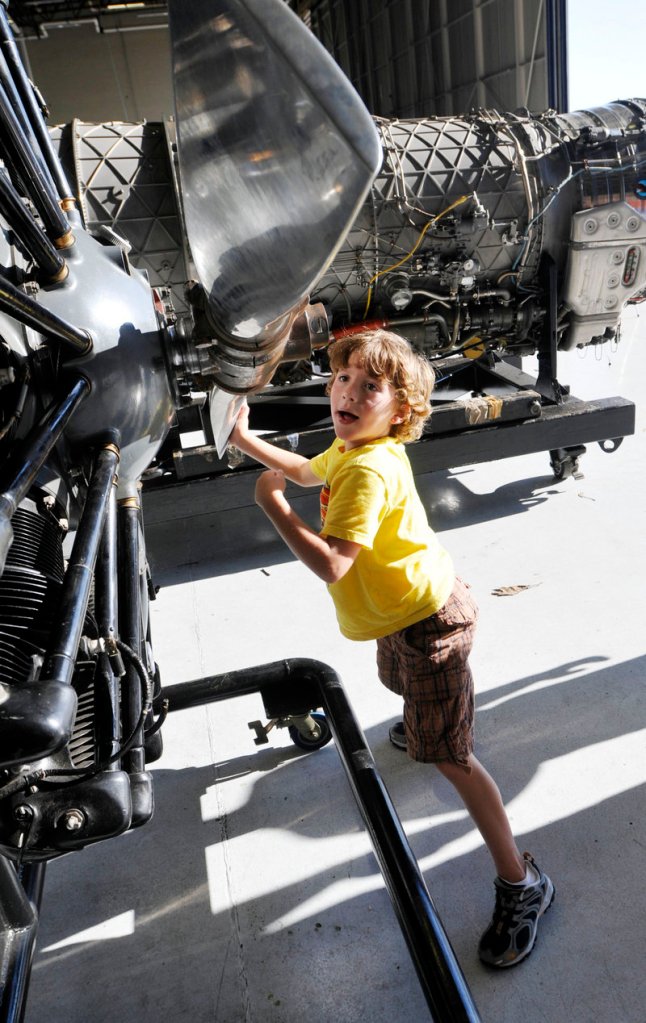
482, 798
427, 664
523, 891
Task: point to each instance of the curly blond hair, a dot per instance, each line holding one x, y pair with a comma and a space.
387, 356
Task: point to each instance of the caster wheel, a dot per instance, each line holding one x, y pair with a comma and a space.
565, 462
316, 742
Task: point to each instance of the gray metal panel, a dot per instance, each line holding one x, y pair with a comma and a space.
417, 58
124, 181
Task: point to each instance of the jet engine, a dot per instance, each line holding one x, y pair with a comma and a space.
483, 239
467, 214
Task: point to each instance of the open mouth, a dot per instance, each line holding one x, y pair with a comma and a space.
346, 417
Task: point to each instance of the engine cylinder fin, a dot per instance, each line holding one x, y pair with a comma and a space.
36, 544
29, 593
82, 745
16, 659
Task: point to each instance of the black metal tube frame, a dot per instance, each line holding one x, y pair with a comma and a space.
297, 685
61, 656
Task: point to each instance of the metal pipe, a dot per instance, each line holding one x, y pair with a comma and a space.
20, 894
61, 656
26, 310
32, 175
130, 627
32, 457
107, 609
37, 244
294, 682
502, 293
556, 35
444, 300
18, 106
27, 94
106, 599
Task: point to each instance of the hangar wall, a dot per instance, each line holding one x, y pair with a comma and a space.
84, 71
420, 58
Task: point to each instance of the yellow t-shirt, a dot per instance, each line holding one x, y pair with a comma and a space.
402, 574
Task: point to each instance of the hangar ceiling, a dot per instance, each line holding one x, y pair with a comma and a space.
406, 58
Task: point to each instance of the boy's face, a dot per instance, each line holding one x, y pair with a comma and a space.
363, 407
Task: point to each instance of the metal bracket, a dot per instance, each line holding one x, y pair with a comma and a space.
262, 731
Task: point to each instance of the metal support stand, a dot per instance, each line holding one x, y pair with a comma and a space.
297, 686
533, 415
21, 892
547, 383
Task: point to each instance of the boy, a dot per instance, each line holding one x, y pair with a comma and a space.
392, 581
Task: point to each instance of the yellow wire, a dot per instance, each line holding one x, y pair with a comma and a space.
404, 259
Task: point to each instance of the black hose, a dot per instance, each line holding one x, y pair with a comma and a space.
139, 666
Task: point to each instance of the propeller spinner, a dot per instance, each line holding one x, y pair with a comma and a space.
276, 154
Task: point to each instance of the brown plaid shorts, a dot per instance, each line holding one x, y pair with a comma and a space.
427, 664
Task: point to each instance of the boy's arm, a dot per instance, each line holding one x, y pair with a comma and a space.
296, 467
327, 556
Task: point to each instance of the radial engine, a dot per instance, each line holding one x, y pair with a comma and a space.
89, 386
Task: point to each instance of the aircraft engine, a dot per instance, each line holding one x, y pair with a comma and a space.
455, 242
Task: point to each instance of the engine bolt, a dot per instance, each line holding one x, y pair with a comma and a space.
23, 813
73, 820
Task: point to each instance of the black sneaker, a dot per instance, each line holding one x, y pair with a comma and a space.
397, 735
511, 934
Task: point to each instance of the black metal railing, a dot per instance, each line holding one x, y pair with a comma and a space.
296, 686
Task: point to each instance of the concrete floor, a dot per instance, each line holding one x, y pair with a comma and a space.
253, 895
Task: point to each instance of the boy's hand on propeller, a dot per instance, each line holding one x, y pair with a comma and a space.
241, 428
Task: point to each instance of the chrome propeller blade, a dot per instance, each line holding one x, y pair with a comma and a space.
276, 154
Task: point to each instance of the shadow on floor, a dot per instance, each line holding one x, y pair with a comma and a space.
189, 960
